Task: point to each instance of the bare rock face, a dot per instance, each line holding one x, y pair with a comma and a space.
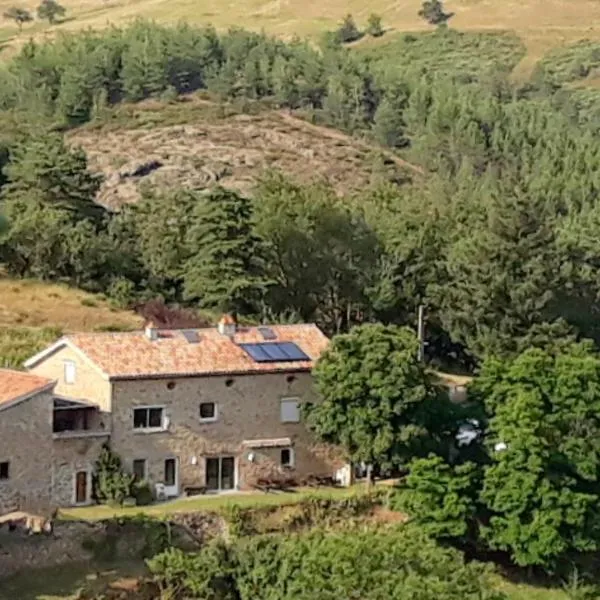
140, 168
230, 151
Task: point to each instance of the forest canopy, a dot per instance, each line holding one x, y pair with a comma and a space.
494, 233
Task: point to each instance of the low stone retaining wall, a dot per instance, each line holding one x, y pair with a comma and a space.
20, 550
110, 540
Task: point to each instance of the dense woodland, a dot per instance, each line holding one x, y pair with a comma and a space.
493, 231
496, 237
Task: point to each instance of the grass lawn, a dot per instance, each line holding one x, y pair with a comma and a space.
208, 503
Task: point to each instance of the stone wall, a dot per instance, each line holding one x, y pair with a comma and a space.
20, 551
26, 444
248, 408
81, 541
69, 457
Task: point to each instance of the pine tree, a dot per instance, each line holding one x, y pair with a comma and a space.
225, 267
45, 168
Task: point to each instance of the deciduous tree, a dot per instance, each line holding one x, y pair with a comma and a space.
543, 486
18, 15
433, 12
377, 401
50, 10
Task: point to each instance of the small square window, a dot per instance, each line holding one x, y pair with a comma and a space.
139, 469
4, 470
149, 418
208, 411
287, 457
290, 410
70, 371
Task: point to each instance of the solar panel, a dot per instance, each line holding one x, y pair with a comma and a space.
292, 351
267, 333
191, 335
274, 352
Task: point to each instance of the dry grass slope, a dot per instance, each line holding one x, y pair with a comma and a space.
33, 304
542, 24
198, 144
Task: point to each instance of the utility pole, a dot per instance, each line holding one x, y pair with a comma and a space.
421, 333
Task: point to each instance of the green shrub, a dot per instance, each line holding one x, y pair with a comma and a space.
348, 31
143, 493
374, 26
239, 520
205, 575
90, 302
17, 344
111, 484
375, 564
121, 292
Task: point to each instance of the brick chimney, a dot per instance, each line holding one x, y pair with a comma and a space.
151, 331
227, 325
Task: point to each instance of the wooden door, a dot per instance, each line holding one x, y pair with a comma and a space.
81, 492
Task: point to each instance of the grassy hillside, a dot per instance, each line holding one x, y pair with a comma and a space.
542, 24
34, 314
35, 304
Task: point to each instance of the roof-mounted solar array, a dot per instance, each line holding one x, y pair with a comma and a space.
274, 352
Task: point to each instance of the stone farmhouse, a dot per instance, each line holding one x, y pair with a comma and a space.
214, 409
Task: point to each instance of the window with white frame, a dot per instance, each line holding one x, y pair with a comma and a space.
70, 371
149, 417
140, 471
287, 457
4, 470
208, 412
290, 410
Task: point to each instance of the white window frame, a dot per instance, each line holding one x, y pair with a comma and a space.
281, 410
164, 421
209, 419
145, 461
4, 479
70, 371
292, 463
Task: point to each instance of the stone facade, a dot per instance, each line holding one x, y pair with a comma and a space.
248, 430
26, 444
248, 410
69, 457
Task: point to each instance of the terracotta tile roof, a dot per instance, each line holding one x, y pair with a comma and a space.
15, 385
133, 355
